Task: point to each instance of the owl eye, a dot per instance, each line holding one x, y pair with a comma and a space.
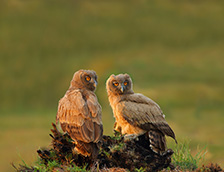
87, 78
125, 83
115, 84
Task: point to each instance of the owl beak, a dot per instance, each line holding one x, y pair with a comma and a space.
95, 84
122, 88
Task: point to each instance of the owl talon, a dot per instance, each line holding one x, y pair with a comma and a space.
168, 152
130, 137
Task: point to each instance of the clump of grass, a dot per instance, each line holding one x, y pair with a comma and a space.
50, 166
54, 165
183, 159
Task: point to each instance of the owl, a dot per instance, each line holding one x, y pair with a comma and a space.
136, 114
79, 113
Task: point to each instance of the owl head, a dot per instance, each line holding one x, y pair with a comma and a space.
119, 84
84, 79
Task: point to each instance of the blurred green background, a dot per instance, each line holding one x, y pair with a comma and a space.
173, 50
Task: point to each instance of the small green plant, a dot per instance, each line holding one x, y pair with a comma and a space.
74, 168
183, 158
41, 167
140, 170
53, 165
117, 147
117, 136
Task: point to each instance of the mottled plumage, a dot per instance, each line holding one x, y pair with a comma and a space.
79, 113
137, 114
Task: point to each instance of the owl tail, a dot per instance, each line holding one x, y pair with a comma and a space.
157, 141
87, 149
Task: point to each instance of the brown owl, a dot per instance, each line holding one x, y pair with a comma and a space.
136, 114
79, 113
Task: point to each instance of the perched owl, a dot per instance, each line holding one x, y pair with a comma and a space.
137, 114
79, 113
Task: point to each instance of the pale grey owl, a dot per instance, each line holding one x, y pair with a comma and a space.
79, 113
136, 114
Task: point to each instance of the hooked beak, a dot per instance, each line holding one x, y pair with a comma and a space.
95, 84
122, 88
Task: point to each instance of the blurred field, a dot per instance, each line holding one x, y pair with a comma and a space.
172, 49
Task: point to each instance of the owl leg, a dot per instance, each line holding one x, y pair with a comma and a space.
79, 150
157, 142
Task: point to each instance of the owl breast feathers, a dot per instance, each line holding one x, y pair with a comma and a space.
137, 114
79, 113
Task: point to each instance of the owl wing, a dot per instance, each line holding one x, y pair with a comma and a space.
142, 112
80, 118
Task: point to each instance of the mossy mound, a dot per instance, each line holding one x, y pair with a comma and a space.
115, 153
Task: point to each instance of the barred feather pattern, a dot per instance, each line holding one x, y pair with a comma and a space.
157, 141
